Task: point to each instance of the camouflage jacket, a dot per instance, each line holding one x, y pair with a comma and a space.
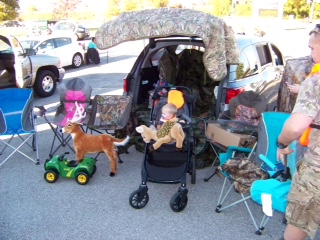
308, 103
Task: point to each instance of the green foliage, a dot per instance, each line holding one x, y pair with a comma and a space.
8, 9
221, 7
316, 14
10, 3
159, 3
298, 8
63, 8
244, 10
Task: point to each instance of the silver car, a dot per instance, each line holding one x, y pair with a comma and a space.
23, 68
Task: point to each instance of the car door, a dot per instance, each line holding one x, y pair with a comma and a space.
21, 62
64, 49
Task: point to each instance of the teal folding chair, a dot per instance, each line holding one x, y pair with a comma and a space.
17, 122
265, 157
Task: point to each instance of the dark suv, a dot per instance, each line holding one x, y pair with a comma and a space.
178, 61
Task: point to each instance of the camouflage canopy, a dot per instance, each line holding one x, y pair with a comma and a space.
218, 38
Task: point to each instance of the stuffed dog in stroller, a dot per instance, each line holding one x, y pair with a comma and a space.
85, 143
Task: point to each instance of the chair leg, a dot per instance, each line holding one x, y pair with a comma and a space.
59, 137
16, 149
213, 169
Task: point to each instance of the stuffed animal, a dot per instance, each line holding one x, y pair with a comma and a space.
85, 143
169, 132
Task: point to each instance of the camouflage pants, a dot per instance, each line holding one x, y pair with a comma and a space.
303, 210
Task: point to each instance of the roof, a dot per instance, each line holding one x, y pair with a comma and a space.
218, 38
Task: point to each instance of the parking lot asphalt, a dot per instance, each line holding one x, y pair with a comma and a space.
32, 209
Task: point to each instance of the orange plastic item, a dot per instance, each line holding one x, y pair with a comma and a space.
304, 139
176, 97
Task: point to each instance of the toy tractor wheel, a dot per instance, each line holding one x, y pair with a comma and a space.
178, 202
51, 176
82, 178
137, 201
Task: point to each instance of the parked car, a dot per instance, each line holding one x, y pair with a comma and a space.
69, 51
196, 50
13, 24
70, 28
23, 68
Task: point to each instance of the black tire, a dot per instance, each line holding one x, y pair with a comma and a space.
82, 178
134, 199
51, 176
45, 83
193, 170
77, 60
94, 170
177, 204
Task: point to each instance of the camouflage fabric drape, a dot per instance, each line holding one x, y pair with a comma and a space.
295, 72
219, 40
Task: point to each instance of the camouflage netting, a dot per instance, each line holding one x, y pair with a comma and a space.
296, 70
218, 38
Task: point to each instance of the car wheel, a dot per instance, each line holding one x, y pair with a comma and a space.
45, 83
76, 37
77, 60
51, 176
82, 178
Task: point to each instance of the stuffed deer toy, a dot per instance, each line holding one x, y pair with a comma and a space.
85, 143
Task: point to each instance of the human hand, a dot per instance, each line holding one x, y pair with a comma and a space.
293, 88
281, 154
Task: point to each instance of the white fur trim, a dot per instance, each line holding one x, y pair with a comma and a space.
124, 142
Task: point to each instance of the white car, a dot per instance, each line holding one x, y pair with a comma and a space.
68, 50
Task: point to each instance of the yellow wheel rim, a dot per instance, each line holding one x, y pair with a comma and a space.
50, 176
82, 178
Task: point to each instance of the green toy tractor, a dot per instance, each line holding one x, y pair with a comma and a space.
60, 165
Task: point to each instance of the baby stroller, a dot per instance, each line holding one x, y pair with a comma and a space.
166, 165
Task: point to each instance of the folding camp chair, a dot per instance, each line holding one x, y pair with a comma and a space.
108, 114
242, 118
17, 119
72, 92
265, 157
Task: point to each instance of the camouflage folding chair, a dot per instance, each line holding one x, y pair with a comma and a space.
109, 113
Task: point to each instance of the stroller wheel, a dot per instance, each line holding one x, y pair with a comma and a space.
179, 201
138, 201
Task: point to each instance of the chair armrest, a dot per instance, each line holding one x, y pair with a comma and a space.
270, 164
234, 149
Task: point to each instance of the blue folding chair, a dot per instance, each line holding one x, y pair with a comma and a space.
265, 156
17, 120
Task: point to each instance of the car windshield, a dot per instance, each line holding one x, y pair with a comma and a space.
29, 43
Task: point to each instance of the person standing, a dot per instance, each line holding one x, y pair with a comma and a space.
92, 53
303, 210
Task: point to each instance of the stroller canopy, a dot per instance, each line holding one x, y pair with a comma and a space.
218, 38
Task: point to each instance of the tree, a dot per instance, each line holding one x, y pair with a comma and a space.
159, 3
298, 8
221, 7
8, 9
63, 8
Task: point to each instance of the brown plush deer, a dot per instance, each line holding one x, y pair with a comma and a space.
85, 143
